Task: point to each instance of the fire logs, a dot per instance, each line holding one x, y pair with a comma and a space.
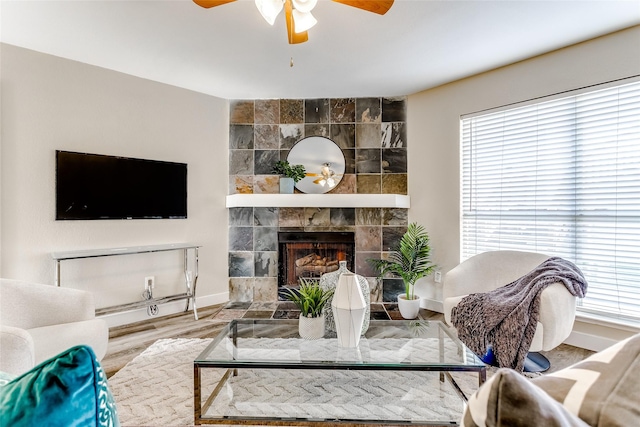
316, 264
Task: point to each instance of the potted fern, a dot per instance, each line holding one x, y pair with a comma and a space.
310, 298
289, 175
410, 261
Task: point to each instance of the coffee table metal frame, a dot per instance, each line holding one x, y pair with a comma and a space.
233, 365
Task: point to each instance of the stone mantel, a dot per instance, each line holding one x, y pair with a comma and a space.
318, 200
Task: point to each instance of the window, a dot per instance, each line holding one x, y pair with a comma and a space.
561, 177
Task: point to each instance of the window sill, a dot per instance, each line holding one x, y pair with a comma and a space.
610, 322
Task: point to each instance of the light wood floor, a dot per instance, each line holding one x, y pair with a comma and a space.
126, 342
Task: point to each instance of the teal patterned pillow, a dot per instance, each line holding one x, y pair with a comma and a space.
67, 390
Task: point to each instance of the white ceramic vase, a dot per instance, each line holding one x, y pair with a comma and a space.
349, 308
329, 281
286, 185
311, 328
409, 309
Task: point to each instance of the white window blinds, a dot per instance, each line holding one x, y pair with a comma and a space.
561, 177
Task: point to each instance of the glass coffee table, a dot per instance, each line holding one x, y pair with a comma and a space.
402, 372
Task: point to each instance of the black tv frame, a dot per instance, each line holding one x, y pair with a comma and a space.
97, 186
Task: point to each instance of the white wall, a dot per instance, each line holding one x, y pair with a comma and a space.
51, 103
434, 118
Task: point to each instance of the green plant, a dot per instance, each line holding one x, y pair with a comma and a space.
282, 167
409, 260
310, 298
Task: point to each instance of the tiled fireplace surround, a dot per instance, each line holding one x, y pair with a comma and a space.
372, 135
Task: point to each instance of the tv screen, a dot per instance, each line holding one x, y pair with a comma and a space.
95, 186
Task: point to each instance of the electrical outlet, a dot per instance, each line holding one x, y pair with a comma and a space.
437, 277
149, 283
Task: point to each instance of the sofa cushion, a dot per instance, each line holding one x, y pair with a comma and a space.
69, 389
6, 378
603, 389
55, 339
508, 399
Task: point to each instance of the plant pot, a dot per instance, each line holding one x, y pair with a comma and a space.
409, 309
311, 328
286, 185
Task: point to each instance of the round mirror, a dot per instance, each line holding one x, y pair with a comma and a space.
323, 161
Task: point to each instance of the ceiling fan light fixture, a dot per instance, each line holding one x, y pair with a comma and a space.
302, 21
269, 9
304, 5
298, 15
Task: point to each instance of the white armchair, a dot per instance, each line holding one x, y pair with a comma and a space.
40, 321
490, 270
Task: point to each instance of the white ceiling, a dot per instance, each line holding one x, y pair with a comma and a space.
231, 52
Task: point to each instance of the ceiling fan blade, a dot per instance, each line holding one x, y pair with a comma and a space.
294, 38
211, 3
376, 6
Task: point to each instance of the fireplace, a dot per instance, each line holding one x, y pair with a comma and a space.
312, 254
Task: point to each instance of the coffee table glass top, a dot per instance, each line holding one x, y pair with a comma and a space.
262, 372
388, 344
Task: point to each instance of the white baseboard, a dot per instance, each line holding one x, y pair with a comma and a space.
137, 315
432, 305
597, 334
589, 341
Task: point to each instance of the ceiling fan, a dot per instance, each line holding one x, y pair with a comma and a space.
298, 12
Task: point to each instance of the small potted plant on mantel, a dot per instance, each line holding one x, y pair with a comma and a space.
310, 299
289, 175
409, 260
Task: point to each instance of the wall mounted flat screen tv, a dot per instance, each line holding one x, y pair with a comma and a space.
95, 186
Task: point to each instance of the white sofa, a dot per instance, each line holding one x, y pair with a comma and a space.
40, 321
490, 270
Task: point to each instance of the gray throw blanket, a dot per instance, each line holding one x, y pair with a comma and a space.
506, 318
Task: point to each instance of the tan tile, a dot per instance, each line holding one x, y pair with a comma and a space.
369, 184
368, 238
241, 111
394, 183
291, 217
291, 111
265, 289
241, 184
266, 184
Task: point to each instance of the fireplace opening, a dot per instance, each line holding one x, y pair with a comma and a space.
312, 254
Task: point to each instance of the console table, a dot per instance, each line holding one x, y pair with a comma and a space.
191, 279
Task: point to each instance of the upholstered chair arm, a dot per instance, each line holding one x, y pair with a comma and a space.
17, 353
557, 315
26, 305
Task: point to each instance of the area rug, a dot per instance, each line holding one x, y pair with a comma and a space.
156, 389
